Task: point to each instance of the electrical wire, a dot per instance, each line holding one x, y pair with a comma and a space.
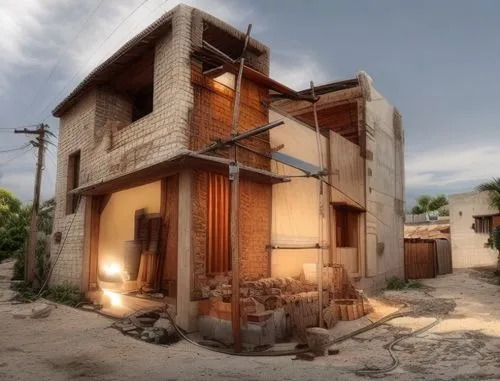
15, 149
28, 149
53, 265
58, 59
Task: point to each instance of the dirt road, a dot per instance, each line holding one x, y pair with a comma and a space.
71, 344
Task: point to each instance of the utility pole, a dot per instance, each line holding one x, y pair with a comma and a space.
29, 262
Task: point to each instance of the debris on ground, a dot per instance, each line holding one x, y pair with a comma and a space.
150, 326
36, 310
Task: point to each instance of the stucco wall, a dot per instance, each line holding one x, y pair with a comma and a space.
118, 218
385, 189
467, 246
296, 204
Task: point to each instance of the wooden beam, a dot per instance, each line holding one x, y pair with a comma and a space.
94, 242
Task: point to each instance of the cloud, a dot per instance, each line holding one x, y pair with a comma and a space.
54, 44
451, 167
297, 69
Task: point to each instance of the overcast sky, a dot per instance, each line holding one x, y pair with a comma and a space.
437, 61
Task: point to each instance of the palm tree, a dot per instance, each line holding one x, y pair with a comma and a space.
493, 189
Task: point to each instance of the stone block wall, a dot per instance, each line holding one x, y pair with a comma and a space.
107, 151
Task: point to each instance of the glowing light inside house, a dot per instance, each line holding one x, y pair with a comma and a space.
112, 269
116, 299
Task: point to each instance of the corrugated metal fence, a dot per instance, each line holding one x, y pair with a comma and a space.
427, 258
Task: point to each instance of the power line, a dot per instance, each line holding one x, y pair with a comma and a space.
12, 129
58, 61
92, 56
15, 149
16, 156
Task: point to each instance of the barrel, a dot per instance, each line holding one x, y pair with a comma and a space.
132, 258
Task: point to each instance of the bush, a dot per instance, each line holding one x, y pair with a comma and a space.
42, 260
65, 293
396, 283
415, 284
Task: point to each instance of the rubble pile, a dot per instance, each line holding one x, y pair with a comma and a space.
150, 326
294, 301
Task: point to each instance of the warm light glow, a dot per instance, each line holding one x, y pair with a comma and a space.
112, 269
116, 299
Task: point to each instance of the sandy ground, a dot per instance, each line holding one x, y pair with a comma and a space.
71, 344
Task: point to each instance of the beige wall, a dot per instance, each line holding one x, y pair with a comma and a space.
467, 246
385, 189
118, 218
295, 205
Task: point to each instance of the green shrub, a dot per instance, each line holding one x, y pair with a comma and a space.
415, 284
66, 293
396, 283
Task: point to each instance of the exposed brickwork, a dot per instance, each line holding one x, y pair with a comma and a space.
255, 232
212, 116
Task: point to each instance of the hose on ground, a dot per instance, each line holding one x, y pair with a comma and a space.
395, 361
378, 323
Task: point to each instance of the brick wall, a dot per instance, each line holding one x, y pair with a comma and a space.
212, 116
211, 119
254, 230
106, 153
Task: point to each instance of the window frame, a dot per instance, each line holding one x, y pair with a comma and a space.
73, 181
483, 225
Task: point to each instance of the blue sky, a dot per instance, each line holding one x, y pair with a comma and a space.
435, 60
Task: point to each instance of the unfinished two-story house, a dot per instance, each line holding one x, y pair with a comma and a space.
141, 200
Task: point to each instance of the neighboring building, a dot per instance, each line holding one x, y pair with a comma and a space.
130, 142
471, 222
428, 231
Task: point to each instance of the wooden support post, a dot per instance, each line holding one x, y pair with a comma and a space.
234, 177
321, 212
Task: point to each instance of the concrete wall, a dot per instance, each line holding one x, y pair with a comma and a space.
296, 205
384, 189
107, 152
117, 220
467, 246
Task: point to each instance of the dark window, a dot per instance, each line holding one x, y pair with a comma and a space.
73, 181
346, 222
218, 248
142, 102
483, 225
